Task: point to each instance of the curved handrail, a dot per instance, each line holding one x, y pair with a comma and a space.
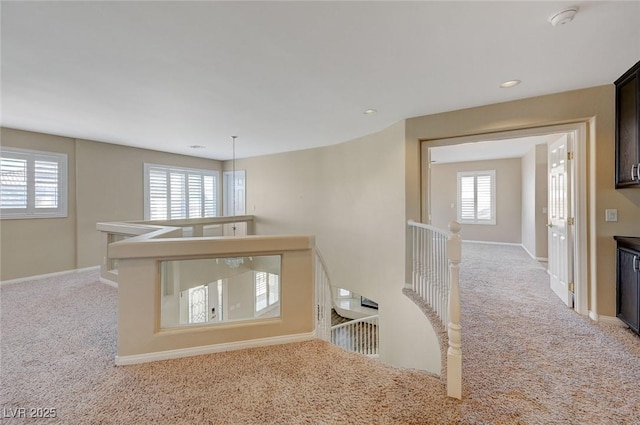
435, 280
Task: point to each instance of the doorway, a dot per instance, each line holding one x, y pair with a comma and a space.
476, 153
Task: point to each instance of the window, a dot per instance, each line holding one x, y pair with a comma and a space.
33, 184
173, 192
344, 293
267, 290
477, 197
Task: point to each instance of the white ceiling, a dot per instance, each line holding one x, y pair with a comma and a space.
288, 75
488, 149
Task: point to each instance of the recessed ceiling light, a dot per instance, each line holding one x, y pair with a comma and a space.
370, 111
197, 147
510, 83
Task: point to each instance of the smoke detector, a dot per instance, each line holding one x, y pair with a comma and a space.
563, 17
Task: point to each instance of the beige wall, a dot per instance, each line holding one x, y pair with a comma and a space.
351, 196
594, 106
534, 201
37, 246
444, 204
111, 188
105, 184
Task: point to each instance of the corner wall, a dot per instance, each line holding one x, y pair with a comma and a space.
351, 196
105, 184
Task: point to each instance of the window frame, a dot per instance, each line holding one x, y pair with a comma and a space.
475, 175
186, 171
31, 211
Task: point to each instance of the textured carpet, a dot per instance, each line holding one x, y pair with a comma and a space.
59, 340
527, 360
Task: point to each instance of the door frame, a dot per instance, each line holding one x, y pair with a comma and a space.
578, 199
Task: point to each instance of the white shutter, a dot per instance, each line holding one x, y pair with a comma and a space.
13, 183
483, 197
467, 198
157, 193
195, 195
274, 288
476, 197
46, 184
33, 184
176, 193
261, 290
210, 196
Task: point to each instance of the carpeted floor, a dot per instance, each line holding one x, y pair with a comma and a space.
527, 360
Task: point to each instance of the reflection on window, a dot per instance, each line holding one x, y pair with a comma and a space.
267, 290
198, 297
217, 290
344, 293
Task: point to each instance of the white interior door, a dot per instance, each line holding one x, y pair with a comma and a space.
559, 216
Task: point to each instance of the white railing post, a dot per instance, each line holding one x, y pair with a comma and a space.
454, 352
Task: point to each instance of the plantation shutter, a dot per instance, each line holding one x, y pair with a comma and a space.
476, 197
467, 198
158, 194
274, 288
13, 179
33, 184
261, 290
175, 193
483, 197
178, 196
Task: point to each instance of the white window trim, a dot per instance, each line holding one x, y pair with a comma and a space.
30, 211
147, 200
492, 220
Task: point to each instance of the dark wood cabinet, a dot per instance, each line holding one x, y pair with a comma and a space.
628, 281
627, 129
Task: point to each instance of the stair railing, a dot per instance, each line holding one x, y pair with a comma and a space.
323, 299
360, 336
435, 279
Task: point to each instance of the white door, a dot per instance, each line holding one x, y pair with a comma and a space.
559, 219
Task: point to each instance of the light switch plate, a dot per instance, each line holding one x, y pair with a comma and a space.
610, 215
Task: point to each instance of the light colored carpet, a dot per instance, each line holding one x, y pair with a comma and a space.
59, 341
527, 360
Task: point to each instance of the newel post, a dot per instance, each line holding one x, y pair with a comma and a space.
454, 352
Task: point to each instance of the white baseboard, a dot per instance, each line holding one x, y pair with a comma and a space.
509, 244
108, 282
609, 320
210, 349
533, 256
492, 243
48, 275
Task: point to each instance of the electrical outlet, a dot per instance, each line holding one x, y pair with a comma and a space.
610, 215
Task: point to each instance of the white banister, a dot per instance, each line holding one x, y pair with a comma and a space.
323, 299
454, 352
360, 336
435, 279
